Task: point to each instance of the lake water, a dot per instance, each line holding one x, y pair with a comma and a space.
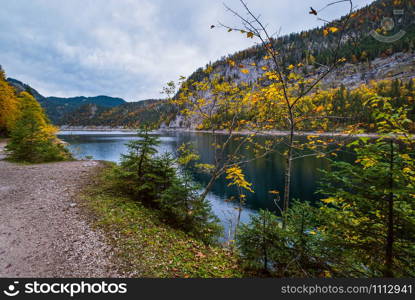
265, 174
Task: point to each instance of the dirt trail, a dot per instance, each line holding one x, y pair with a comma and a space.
43, 232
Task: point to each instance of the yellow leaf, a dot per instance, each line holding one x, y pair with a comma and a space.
245, 71
319, 108
333, 29
329, 200
330, 29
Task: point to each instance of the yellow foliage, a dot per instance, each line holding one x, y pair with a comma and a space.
319, 108
236, 176
9, 110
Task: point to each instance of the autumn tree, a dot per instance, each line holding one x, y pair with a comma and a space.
32, 137
8, 106
287, 93
224, 109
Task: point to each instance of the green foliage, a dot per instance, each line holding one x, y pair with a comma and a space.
138, 166
155, 181
368, 203
365, 227
184, 208
32, 138
370, 209
257, 240
293, 251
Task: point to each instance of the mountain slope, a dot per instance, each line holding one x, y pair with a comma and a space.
131, 114
56, 108
314, 47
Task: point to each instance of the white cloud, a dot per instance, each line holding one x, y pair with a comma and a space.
126, 48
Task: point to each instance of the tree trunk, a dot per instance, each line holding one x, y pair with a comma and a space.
209, 186
390, 236
288, 172
238, 220
264, 245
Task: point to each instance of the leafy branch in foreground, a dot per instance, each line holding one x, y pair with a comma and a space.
365, 225
371, 203
285, 86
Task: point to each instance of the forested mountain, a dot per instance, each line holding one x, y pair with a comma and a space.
315, 47
131, 114
99, 110
56, 108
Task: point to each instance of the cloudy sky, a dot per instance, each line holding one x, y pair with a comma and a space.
129, 48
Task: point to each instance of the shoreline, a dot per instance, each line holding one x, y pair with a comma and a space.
243, 132
35, 200
279, 133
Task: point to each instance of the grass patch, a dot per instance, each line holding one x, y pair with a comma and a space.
145, 245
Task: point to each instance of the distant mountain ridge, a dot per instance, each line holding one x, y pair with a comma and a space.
131, 114
100, 110
58, 107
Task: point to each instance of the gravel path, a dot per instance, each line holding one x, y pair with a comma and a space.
43, 232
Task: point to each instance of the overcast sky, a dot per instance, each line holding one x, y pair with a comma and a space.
129, 48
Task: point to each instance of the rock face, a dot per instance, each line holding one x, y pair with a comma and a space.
397, 66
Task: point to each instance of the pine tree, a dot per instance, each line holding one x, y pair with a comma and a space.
32, 137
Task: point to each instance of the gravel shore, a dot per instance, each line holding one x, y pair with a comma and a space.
43, 230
